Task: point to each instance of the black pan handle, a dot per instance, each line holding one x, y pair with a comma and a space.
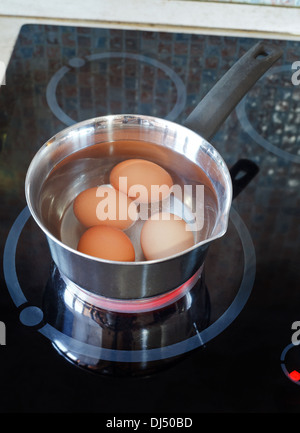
221, 100
242, 172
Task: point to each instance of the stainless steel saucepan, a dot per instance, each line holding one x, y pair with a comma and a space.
111, 138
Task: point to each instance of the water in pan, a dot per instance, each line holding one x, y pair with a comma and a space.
91, 167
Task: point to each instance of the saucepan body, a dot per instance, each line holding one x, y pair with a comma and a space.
83, 155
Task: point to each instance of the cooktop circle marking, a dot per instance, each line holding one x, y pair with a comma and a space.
31, 316
9, 265
78, 62
247, 126
85, 349
283, 366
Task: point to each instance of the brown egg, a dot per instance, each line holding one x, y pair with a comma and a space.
163, 235
106, 243
144, 173
104, 205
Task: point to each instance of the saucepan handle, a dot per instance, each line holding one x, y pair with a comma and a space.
221, 100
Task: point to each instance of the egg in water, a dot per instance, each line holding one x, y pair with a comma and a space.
136, 178
108, 243
165, 234
104, 205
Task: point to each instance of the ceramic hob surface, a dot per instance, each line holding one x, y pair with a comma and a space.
245, 358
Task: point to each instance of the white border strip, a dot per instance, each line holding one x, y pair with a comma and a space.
196, 14
200, 17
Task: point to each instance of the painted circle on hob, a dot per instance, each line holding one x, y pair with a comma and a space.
33, 315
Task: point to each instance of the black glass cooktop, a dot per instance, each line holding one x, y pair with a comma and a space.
246, 358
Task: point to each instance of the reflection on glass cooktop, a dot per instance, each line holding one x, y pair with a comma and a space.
244, 359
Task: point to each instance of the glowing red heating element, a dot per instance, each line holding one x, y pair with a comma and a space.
135, 305
294, 375
146, 304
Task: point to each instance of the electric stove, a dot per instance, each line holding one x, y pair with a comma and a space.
231, 338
